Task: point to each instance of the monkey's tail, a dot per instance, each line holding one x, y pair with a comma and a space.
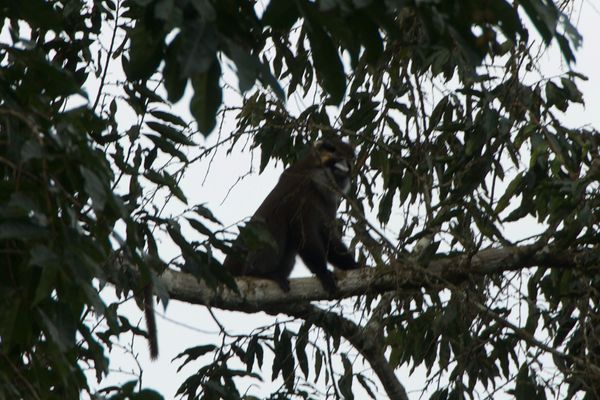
150, 322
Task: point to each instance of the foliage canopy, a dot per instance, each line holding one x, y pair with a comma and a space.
458, 137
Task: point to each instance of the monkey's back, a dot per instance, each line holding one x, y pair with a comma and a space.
294, 199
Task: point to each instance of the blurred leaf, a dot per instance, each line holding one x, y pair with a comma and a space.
250, 68
300, 349
329, 68
167, 147
168, 117
513, 189
206, 213
165, 179
198, 48
345, 381
280, 14
21, 230
207, 98
193, 353
175, 79
145, 53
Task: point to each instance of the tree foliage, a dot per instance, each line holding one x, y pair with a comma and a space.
459, 140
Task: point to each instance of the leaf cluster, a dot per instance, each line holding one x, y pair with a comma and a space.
484, 148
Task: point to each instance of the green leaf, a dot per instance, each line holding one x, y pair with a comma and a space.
31, 150
363, 382
555, 96
300, 350
201, 210
436, 114
60, 327
544, 17
385, 206
193, 353
407, 186
318, 364
508, 19
146, 394
513, 189
150, 157
345, 381
256, 235
566, 325
571, 88
166, 179
207, 98
41, 14
145, 53
175, 80
170, 133
440, 394
168, 117
525, 387
281, 14
370, 38
199, 44
42, 256
329, 68
94, 187
199, 226
278, 353
250, 68
167, 147
250, 352
284, 353
46, 284
247, 65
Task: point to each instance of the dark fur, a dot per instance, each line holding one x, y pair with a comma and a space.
300, 215
150, 322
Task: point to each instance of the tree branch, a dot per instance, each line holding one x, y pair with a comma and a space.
264, 295
370, 348
261, 295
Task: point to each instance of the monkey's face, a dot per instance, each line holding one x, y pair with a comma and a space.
337, 158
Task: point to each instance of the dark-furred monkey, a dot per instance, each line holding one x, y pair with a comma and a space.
300, 216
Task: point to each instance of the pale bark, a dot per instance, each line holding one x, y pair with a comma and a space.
260, 294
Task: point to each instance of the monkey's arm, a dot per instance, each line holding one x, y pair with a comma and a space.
339, 255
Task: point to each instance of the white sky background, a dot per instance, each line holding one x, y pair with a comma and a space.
245, 198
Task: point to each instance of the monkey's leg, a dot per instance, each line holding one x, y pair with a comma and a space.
339, 255
285, 267
275, 266
314, 256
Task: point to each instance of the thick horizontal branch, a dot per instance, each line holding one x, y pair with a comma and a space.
259, 294
264, 295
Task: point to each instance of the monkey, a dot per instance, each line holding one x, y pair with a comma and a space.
300, 216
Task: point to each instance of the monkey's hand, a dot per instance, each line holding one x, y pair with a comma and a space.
339, 255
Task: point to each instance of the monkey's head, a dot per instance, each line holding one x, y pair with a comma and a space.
336, 158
